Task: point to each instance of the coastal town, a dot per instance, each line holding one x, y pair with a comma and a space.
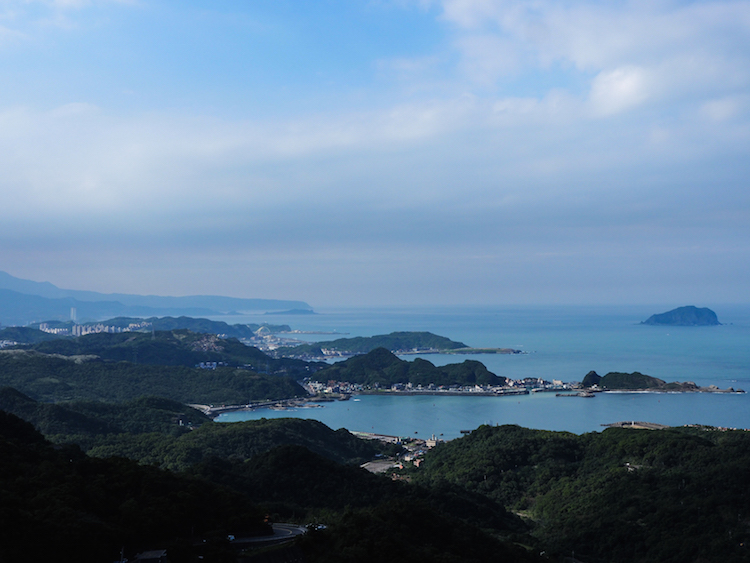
344, 389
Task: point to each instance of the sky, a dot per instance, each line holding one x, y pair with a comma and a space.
379, 152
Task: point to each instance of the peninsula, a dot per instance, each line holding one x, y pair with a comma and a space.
382, 368
400, 343
684, 316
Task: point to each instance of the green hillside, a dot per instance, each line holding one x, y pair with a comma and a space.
90, 509
397, 342
172, 435
54, 378
25, 335
87, 419
172, 348
237, 441
620, 495
383, 368
58, 504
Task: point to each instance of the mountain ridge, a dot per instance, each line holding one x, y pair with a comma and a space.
24, 301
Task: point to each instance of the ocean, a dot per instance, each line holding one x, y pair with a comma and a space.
560, 343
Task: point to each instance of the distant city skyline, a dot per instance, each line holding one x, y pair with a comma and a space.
389, 152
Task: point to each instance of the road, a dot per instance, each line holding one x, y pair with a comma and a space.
281, 533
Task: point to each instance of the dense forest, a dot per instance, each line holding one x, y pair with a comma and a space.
54, 378
99, 452
498, 494
178, 347
57, 504
675, 495
225, 476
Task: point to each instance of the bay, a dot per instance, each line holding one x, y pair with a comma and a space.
445, 417
560, 343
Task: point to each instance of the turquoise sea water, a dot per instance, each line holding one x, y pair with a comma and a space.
562, 343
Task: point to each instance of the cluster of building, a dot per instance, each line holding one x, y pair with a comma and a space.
413, 452
266, 341
210, 365
81, 330
334, 387
44, 327
511, 387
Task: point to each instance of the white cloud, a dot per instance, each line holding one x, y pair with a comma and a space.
633, 52
619, 90
536, 126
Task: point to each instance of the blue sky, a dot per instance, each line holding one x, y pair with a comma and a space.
379, 152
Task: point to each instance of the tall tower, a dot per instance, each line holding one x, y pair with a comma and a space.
73, 314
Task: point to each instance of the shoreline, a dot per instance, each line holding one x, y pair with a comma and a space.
309, 402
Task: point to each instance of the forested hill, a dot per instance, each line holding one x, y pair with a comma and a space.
172, 435
26, 335
81, 421
383, 368
397, 342
59, 504
172, 348
55, 378
620, 496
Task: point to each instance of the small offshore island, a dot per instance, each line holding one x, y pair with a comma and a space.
636, 381
684, 316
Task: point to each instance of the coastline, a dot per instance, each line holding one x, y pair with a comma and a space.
281, 404
309, 402
443, 414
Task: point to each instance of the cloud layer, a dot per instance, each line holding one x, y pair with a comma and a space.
507, 152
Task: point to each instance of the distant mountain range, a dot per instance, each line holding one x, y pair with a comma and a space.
25, 301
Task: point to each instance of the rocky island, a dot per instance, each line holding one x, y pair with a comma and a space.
684, 316
636, 381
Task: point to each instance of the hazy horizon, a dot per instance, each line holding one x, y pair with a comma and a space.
324, 307
379, 152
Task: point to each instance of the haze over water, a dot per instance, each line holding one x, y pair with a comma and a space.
562, 343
